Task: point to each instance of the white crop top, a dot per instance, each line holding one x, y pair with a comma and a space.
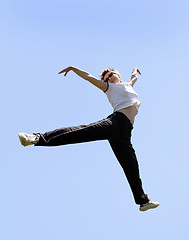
121, 95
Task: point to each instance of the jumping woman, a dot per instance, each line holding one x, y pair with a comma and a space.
116, 128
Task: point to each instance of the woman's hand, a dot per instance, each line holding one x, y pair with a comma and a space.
134, 76
134, 72
66, 70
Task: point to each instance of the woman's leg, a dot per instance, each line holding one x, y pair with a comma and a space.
84, 133
123, 150
127, 159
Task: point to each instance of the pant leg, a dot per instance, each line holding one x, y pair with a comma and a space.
126, 156
127, 159
100, 130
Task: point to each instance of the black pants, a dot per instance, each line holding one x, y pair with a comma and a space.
116, 128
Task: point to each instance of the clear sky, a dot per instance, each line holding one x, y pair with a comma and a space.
79, 191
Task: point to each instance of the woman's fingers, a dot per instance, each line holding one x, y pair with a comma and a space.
61, 72
66, 70
135, 70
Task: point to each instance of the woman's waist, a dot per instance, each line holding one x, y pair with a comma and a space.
130, 112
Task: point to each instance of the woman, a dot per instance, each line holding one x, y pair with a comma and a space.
116, 128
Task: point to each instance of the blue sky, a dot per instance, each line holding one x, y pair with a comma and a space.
80, 191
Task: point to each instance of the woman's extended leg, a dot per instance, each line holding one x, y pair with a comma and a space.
100, 130
127, 159
122, 148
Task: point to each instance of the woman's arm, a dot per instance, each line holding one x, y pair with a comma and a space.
87, 76
134, 77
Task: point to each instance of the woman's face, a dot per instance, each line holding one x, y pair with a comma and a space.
112, 77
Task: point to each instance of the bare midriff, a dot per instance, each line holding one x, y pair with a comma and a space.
130, 112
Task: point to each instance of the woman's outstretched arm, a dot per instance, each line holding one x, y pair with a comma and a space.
134, 76
87, 76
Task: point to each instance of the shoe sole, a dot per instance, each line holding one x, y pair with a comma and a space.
148, 207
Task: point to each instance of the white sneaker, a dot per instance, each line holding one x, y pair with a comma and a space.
28, 139
149, 205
